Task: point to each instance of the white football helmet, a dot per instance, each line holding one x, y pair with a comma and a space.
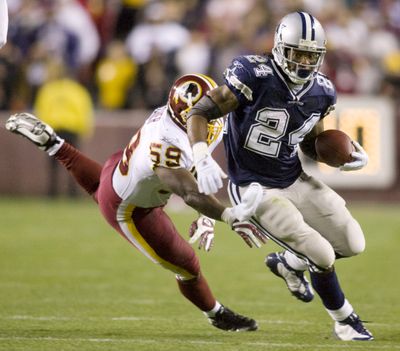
299, 46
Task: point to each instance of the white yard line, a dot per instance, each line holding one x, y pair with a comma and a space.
353, 346
135, 318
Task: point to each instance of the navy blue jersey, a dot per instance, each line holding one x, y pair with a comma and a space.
262, 135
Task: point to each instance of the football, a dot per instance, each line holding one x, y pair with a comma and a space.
334, 147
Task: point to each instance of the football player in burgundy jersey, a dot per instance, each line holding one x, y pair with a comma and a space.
277, 104
133, 186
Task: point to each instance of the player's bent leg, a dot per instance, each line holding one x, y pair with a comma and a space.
152, 232
286, 226
326, 212
352, 241
279, 218
35, 130
219, 316
348, 325
284, 223
84, 170
175, 254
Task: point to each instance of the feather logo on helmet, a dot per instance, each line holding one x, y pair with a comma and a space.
184, 94
189, 92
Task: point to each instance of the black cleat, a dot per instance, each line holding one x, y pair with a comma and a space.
228, 320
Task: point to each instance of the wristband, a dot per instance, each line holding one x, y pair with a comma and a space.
227, 216
200, 151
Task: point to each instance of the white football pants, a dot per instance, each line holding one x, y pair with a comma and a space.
309, 219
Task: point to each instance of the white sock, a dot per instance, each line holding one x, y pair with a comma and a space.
215, 309
295, 262
57, 146
342, 313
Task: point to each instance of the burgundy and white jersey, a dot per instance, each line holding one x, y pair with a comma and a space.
159, 143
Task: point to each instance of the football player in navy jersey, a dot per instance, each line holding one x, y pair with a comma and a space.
277, 104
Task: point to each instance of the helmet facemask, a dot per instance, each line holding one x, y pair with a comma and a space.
299, 46
214, 129
299, 72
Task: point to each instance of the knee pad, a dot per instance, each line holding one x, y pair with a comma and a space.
320, 253
355, 240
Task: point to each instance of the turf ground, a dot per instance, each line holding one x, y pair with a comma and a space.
68, 282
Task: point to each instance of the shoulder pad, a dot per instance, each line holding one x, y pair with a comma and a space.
326, 84
244, 72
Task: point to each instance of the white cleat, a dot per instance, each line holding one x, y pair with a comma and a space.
33, 129
296, 282
352, 329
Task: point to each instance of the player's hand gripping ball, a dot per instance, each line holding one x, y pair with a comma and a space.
334, 148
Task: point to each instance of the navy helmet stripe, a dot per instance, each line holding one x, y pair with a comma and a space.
312, 28
304, 26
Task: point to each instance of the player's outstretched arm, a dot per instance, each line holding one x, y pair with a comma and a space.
3, 22
182, 183
219, 102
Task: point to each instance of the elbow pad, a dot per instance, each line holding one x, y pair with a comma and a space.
207, 108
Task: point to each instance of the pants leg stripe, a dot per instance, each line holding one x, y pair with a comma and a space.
132, 234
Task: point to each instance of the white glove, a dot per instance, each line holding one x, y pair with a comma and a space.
209, 173
249, 233
244, 210
203, 229
360, 159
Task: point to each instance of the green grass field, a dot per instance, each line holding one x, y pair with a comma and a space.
68, 282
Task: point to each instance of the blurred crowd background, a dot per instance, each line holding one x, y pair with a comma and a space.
127, 53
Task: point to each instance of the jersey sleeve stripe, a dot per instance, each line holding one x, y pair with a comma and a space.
236, 83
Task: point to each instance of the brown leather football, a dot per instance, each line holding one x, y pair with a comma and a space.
334, 147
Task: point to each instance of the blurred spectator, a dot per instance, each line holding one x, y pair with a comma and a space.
157, 34
391, 82
127, 17
67, 106
103, 14
153, 79
10, 74
339, 66
153, 45
195, 56
115, 76
167, 38
74, 17
3, 22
